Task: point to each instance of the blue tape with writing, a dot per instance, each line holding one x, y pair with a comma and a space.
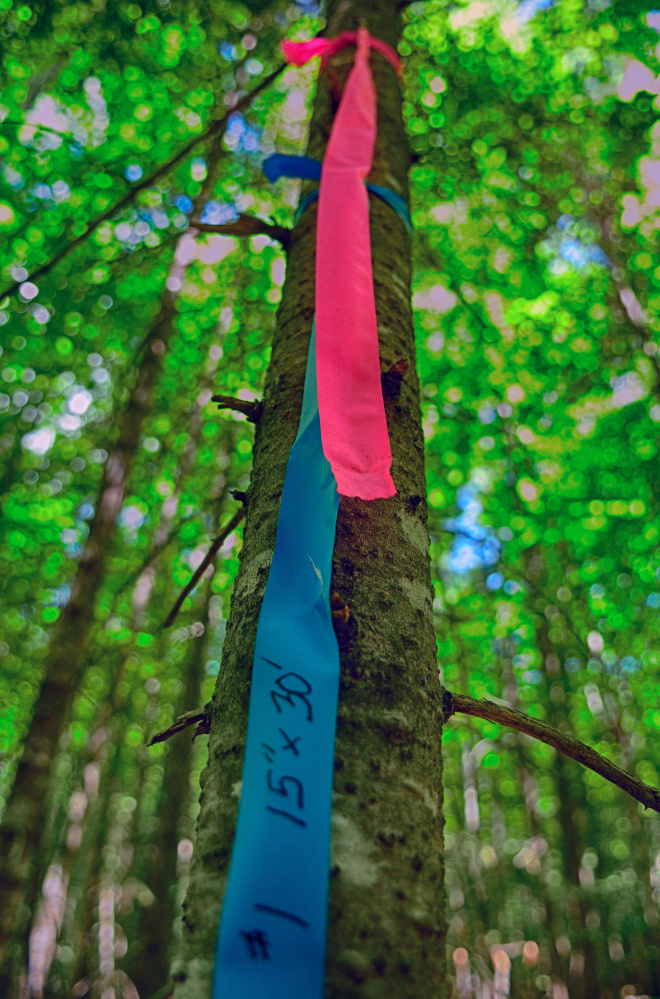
272, 937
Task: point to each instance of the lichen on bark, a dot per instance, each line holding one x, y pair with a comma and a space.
386, 918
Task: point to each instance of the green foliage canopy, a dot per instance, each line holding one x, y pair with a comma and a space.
535, 202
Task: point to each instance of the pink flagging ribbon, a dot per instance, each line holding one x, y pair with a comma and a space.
351, 410
298, 53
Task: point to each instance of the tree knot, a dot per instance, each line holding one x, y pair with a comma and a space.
448, 706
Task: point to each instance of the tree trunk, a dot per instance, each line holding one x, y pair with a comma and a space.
387, 922
25, 817
79, 885
148, 964
583, 973
24, 821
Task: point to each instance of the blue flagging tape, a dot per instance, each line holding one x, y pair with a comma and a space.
278, 165
305, 167
272, 937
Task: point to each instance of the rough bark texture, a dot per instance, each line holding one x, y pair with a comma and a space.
387, 931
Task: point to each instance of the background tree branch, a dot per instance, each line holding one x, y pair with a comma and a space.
247, 225
204, 564
561, 741
217, 126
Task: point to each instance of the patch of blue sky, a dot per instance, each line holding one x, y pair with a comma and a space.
571, 242
250, 142
183, 203
227, 50
528, 8
487, 415
476, 545
218, 213
239, 135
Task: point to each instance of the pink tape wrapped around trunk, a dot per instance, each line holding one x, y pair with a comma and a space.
351, 410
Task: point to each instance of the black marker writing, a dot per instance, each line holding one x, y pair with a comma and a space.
280, 787
280, 912
291, 743
257, 942
287, 815
271, 663
290, 683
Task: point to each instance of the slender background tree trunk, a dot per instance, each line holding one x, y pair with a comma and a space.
25, 818
26, 814
148, 965
387, 923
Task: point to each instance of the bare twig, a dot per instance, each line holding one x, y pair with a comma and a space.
204, 564
561, 741
200, 718
217, 126
41, 79
38, 128
240, 496
252, 410
247, 225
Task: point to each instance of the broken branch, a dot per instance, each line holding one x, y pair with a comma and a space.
247, 225
561, 741
184, 721
250, 409
204, 564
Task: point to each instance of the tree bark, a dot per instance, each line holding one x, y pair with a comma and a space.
387, 922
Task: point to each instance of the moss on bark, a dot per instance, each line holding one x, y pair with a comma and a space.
387, 924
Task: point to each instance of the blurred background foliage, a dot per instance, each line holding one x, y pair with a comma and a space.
536, 202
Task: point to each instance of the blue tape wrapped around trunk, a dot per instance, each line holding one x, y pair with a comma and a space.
278, 165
